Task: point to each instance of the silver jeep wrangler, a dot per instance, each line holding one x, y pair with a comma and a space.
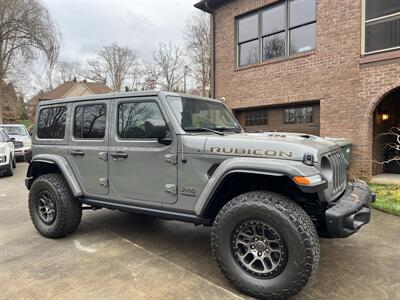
267, 195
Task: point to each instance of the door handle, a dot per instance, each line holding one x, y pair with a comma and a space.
77, 153
117, 155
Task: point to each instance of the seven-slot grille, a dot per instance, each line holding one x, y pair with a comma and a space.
18, 145
338, 163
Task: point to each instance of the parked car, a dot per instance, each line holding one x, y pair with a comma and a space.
7, 155
267, 195
21, 136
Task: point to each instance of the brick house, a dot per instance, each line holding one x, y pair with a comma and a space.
66, 90
324, 67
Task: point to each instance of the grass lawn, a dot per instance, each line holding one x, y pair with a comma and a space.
387, 197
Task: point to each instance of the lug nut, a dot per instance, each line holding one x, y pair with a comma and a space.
252, 247
256, 239
259, 253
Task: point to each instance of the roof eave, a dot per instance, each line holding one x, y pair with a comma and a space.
210, 5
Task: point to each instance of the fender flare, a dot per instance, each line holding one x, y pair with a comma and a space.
269, 167
62, 164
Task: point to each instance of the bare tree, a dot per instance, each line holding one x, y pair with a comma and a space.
150, 77
198, 45
69, 70
113, 64
392, 147
170, 63
26, 32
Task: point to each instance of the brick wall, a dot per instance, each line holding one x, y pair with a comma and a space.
348, 92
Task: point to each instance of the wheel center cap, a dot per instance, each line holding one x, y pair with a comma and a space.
260, 246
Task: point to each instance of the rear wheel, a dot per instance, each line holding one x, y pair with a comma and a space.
53, 209
265, 244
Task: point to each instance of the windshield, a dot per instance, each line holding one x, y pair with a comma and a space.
15, 130
200, 115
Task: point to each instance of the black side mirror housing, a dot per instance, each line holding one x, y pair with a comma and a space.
155, 129
11, 140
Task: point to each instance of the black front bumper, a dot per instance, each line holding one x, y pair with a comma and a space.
351, 211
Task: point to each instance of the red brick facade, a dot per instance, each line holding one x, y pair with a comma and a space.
348, 86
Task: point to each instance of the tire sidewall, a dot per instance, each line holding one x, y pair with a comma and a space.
282, 224
36, 188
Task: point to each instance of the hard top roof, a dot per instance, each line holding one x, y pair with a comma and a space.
111, 96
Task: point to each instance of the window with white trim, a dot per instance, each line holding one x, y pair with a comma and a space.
382, 25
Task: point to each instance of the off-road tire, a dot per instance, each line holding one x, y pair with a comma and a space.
68, 209
290, 221
14, 162
10, 170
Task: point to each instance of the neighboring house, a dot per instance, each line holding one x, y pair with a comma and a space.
324, 67
66, 90
9, 103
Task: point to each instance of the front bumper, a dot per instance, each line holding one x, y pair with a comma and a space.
351, 211
21, 151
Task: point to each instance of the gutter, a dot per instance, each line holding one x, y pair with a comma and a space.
212, 28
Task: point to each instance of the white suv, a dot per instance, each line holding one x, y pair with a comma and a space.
7, 154
21, 138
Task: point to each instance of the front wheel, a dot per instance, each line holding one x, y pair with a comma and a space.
53, 209
10, 170
265, 244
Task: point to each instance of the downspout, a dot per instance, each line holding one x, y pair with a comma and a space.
212, 28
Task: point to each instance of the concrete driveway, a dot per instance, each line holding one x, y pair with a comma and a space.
116, 255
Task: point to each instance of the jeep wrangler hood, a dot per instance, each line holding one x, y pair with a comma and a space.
279, 145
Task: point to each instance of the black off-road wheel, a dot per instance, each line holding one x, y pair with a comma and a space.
265, 244
10, 170
53, 209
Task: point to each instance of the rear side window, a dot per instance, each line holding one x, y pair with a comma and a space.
133, 115
51, 123
90, 121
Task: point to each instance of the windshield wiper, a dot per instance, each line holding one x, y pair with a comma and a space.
227, 129
196, 129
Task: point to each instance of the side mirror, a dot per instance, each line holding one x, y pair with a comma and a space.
155, 129
11, 140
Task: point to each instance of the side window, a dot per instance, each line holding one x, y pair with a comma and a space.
2, 138
90, 121
133, 115
51, 124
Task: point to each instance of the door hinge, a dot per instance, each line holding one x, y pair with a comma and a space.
103, 182
171, 189
171, 158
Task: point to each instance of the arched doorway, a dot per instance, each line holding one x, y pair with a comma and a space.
386, 118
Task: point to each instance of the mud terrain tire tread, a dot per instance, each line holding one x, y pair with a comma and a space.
261, 200
69, 210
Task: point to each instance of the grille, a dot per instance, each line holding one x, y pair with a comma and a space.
18, 145
339, 177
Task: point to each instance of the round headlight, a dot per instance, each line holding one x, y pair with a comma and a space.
326, 168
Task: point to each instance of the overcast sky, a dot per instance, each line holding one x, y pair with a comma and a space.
87, 25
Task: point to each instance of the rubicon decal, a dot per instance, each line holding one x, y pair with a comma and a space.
251, 152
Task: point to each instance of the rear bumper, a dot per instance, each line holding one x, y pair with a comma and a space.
351, 211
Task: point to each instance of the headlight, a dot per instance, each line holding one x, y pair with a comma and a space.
2, 150
27, 143
2, 159
326, 168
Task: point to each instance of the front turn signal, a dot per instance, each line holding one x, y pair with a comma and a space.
307, 180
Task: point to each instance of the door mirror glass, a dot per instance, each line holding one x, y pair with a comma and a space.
155, 129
